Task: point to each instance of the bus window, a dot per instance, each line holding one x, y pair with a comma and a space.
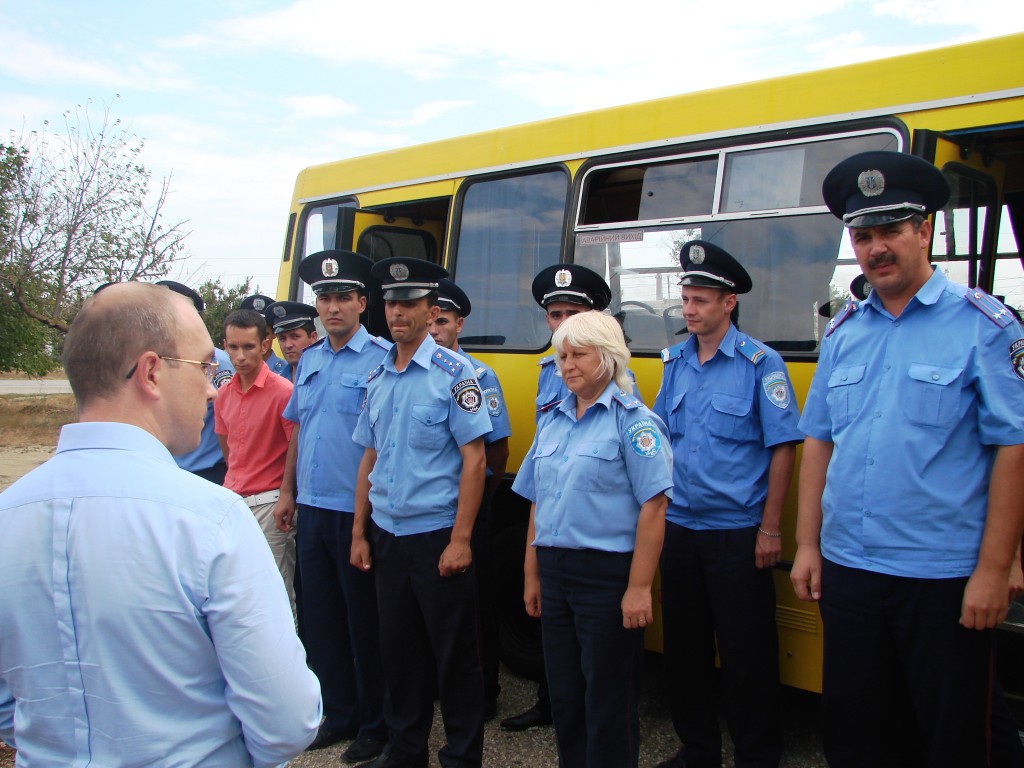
321, 230
1009, 275
508, 229
768, 213
385, 242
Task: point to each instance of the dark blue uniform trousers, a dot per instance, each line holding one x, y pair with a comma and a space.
904, 683
339, 614
711, 588
594, 665
428, 625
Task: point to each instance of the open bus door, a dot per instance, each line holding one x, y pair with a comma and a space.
414, 229
977, 241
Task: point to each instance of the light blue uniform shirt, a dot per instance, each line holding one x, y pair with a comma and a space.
142, 618
590, 477
279, 366
494, 401
914, 406
328, 395
551, 388
724, 418
416, 420
208, 452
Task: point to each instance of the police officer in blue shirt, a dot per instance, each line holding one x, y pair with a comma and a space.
423, 426
729, 406
455, 307
257, 302
910, 486
339, 604
207, 460
598, 474
292, 324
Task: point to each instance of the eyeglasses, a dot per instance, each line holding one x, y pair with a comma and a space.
209, 366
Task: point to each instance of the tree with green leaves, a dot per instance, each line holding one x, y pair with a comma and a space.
221, 302
78, 211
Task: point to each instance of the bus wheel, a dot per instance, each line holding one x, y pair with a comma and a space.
520, 633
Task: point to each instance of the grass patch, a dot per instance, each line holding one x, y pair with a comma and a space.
34, 419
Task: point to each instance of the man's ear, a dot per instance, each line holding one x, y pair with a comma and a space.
148, 376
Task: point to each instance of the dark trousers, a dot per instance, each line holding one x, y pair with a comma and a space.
214, 474
904, 683
487, 590
428, 627
711, 589
594, 665
339, 614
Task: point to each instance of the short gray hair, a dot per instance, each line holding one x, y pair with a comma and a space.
603, 333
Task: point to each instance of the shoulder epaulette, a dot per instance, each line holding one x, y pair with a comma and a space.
548, 406
375, 373
989, 306
446, 362
480, 373
318, 343
382, 343
672, 353
546, 360
842, 317
627, 400
751, 350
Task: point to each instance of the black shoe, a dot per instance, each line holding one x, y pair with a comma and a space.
325, 737
531, 718
363, 749
385, 760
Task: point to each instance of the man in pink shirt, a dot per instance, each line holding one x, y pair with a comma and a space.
253, 434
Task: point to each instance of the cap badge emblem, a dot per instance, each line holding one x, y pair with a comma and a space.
563, 278
259, 305
871, 183
399, 271
329, 267
697, 254
280, 312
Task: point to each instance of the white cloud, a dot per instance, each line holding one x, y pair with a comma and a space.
426, 113
303, 107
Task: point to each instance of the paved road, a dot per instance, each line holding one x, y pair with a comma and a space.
34, 387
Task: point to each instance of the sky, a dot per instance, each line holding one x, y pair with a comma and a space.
234, 97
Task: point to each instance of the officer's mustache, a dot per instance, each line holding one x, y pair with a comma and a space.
881, 261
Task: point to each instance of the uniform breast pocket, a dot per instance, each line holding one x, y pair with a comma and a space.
845, 392
729, 418
429, 426
545, 466
934, 394
594, 466
677, 415
350, 395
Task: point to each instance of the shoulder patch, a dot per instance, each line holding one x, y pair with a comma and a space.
989, 306
776, 387
1017, 357
627, 400
492, 396
446, 362
751, 350
850, 308
375, 373
467, 395
643, 435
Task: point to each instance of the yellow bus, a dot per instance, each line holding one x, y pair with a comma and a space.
620, 190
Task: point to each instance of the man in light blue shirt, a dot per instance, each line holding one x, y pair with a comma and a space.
338, 602
911, 482
422, 474
142, 617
